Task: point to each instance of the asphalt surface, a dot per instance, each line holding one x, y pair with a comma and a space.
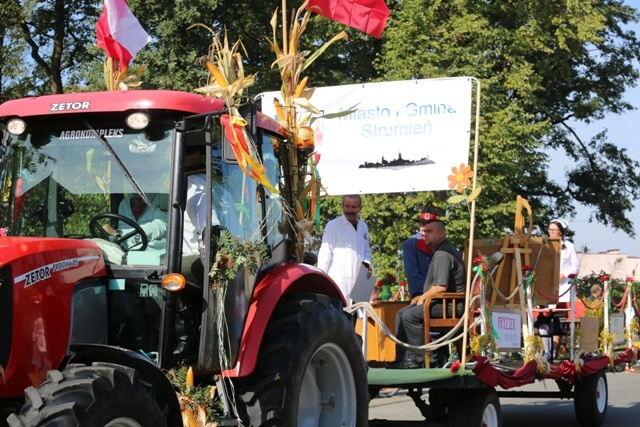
623, 408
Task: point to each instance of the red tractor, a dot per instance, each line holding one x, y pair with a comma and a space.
93, 304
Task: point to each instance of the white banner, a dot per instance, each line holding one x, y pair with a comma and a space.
404, 136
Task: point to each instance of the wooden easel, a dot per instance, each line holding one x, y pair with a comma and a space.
516, 250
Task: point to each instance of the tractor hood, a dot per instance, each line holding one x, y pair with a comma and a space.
34, 259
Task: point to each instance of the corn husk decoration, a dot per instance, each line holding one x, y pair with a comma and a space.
193, 413
291, 62
227, 81
116, 79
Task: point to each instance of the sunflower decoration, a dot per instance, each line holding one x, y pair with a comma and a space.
460, 179
227, 81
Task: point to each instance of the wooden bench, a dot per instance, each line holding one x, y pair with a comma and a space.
448, 320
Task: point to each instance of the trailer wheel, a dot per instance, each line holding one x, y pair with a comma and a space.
102, 395
310, 370
475, 408
590, 399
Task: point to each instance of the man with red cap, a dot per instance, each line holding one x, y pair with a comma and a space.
416, 256
446, 274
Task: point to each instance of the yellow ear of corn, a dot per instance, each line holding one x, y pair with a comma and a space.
299, 212
189, 380
217, 75
300, 88
279, 110
189, 419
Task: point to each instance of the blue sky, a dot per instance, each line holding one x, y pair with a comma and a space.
624, 131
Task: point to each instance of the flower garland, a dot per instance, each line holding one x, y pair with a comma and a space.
481, 266
233, 254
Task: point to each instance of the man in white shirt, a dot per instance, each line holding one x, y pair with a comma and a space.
151, 219
345, 247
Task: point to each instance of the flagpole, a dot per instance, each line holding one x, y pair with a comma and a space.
110, 64
285, 45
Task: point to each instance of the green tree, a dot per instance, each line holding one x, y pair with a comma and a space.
542, 65
57, 35
171, 59
12, 70
250, 21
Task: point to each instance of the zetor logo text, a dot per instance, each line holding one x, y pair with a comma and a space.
35, 276
66, 106
44, 272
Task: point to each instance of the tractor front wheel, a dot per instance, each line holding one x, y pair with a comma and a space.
310, 371
101, 395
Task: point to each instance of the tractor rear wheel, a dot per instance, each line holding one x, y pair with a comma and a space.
101, 395
310, 371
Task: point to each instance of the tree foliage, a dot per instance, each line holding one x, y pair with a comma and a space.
55, 39
543, 66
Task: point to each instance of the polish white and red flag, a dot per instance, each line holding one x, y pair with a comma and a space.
369, 16
119, 32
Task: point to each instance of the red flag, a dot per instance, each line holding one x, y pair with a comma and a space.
369, 16
119, 32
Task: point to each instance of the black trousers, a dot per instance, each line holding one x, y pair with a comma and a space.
410, 327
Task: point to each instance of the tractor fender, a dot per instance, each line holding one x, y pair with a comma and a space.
149, 371
280, 280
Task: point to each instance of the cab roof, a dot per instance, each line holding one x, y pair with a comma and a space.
121, 101
109, 101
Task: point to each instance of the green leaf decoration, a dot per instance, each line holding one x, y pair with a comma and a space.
459, 198
474, 194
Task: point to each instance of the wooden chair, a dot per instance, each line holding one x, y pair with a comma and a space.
449, 319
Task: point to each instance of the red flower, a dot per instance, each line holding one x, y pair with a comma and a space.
455, 366
572, 276
403, 283
629, 279
527, 268
604, 278
478, 260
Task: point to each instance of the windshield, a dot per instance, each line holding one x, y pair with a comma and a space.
56, 179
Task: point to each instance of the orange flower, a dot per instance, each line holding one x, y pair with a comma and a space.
461, 177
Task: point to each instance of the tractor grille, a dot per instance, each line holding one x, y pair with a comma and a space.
6, 314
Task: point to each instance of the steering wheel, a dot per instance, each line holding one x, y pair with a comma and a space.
97, 231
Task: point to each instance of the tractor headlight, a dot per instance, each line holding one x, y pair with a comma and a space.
137, 120
16, 126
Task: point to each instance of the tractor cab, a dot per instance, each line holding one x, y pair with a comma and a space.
125, 180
